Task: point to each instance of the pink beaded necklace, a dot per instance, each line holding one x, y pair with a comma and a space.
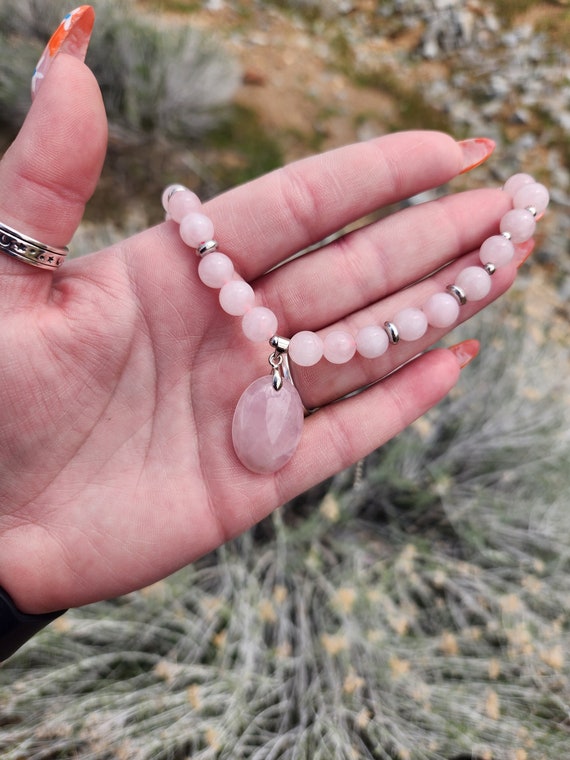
268, 421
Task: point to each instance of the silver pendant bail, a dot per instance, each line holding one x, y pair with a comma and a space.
279, 361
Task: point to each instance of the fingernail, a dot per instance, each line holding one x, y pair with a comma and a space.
72, 36
523, 251
465, 351
475, 151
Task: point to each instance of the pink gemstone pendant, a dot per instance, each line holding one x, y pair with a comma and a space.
267, 425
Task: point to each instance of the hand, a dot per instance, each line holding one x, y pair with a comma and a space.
120, 373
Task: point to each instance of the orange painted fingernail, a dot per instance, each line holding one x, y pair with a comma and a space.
475, 151
465, 351
523, 251
72, 36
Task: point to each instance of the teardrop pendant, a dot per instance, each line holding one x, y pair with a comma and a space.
267, 425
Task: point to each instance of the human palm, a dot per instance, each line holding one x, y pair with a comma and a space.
121, 373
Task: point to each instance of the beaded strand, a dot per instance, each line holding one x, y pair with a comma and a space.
306, 348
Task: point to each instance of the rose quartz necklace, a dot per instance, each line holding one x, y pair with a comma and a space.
268, 420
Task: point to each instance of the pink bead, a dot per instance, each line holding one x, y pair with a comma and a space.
520, 223
496, 250
474, 282
514, 183
339, 347
215, 269
195, 229
306, 348
168, 192
371, 341
411, 323
237, 297
259, 324
181, 203
267, 425
534, 195
441, 310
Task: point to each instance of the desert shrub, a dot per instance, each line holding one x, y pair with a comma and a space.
421, 614
156, 77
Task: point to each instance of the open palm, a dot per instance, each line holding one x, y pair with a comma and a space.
120, 374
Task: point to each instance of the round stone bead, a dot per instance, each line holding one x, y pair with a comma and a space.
514, 183
259, 324
519, 223
237, 297
195, 229
411, 323
441, 310
534, 195
371, 341
339, 347
475, 282
181, 203
215, 269
306, 348
496, 250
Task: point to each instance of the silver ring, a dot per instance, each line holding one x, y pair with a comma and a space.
30, 251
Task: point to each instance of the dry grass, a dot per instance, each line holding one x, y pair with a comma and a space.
422, 615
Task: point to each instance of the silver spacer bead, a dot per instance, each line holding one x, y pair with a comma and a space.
532, 210
506, 235
208, 247
175, 189
392, 332
490, 268
458, 292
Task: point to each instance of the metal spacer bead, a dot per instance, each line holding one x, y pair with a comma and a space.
392, 332
506, 235
532, 210
175, 189
490, 268
208, 247
458, 292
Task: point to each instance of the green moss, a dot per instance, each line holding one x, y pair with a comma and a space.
413, 110
557, 27
253, 151
508, 10
175, 6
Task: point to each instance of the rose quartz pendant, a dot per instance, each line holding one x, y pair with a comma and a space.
267, 425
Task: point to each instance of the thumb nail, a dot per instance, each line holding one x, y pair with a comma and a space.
72, 36
475, 151
465, 351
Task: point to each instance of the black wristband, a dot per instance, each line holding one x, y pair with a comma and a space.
16, 627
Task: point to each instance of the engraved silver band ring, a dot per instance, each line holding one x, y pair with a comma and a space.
30, 251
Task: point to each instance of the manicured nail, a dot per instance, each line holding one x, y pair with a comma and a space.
475, 151
465, 351
523, 251
72, 36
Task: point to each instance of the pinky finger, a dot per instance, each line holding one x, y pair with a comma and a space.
342, 433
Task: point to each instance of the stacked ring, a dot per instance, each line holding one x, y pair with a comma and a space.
31, 251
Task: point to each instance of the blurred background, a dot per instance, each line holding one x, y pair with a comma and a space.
415, 607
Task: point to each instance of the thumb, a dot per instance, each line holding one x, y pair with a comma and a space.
52, 168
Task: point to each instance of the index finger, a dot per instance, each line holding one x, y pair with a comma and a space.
264, 221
